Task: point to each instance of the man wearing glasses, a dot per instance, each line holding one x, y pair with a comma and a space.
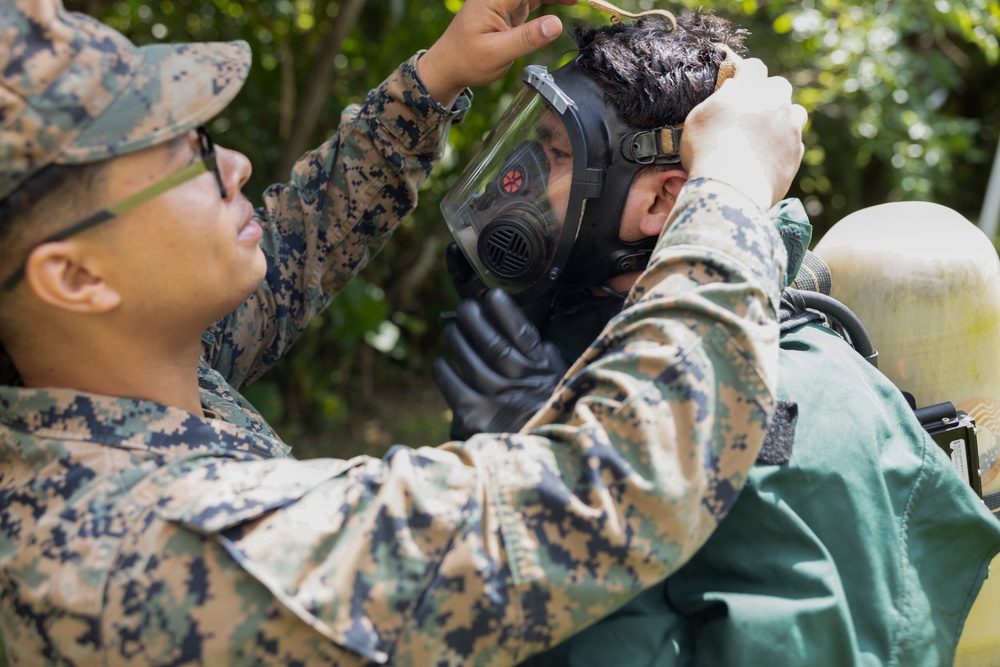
149, 515
204, 161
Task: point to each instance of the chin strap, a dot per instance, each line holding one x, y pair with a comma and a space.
663, 145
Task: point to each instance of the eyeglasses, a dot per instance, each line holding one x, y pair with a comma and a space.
205, 164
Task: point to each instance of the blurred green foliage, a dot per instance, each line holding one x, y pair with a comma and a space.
903, 102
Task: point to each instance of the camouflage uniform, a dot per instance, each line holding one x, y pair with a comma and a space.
134, 533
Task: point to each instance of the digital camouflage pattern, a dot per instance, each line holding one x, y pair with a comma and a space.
136, 534
74, 90
133, 533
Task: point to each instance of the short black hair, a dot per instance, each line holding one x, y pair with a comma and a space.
654, 76
52, 199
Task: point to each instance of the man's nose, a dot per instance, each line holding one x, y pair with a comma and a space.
236, 169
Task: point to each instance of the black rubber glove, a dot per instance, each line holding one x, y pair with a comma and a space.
471, 286
463, 276
508, 373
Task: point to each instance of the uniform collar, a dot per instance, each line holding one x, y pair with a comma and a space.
126, 423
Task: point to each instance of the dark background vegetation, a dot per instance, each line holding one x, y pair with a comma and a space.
903, 98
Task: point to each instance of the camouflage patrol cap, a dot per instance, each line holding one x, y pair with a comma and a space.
73, 90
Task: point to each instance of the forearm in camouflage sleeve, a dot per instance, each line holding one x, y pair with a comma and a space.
338, 210
486, 551
639, 454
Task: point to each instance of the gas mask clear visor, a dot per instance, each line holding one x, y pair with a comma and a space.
508, 210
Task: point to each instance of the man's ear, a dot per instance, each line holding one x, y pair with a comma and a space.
673, 182
64, 276
663, 188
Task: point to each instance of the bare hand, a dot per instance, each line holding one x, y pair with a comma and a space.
748, 134
482, 42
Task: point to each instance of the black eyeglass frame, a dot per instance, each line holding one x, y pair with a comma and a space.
207, 163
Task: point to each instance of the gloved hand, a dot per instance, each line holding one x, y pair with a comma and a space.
470, 286
463, 276
508, 373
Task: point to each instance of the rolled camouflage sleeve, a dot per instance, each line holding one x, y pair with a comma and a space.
338, 210
487, 551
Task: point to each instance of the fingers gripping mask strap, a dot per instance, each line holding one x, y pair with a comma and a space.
727, 68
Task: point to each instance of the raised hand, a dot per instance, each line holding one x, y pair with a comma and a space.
482, 42
748, 134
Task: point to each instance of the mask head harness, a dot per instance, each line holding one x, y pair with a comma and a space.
528, 221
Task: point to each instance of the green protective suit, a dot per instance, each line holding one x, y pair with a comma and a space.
864, 548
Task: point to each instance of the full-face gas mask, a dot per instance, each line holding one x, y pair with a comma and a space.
540, 203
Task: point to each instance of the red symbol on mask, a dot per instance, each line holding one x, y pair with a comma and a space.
512, 181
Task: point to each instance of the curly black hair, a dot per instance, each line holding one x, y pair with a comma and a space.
654, 76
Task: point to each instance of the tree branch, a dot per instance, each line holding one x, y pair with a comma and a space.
418, 270
286, 109
315, 96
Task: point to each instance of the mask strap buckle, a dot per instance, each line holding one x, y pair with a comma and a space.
660, 145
